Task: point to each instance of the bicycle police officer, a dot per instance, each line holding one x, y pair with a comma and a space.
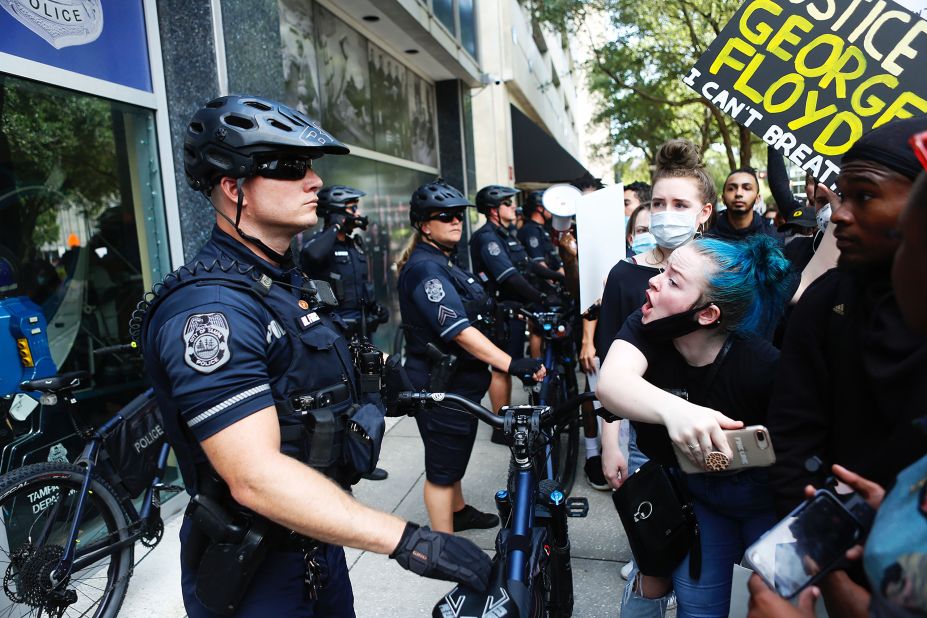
535, 236
254, 381
500, 262
337, 255
446, 315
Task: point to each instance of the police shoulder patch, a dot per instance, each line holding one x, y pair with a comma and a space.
434, 290
533, 242
206, 341
494, 248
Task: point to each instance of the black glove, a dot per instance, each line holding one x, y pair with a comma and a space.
337, 218
525, 368
438, 555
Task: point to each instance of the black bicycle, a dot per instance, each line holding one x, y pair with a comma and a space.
531, 576
69, 529
559, 386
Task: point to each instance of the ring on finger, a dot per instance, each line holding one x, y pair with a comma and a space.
693, 446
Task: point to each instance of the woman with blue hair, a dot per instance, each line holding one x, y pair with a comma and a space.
697, 336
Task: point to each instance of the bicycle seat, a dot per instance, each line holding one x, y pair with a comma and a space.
57, 384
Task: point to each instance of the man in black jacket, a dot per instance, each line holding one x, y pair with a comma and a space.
852, 376
739, 220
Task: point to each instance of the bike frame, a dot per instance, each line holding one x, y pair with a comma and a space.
138, 520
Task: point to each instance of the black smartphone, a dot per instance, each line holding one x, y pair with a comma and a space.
806, 545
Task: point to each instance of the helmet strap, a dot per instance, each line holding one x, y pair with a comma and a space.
280, 258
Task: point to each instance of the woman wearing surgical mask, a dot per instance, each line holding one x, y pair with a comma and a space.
638, 236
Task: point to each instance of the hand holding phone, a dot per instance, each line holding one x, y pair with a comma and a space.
751, 447
806, 545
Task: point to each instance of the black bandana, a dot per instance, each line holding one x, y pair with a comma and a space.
678, 325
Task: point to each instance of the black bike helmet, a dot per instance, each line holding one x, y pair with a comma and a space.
337, 197
432, 196
492, 197
229, 136
533, 202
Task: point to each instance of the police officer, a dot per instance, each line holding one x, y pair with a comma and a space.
536, 238
337, 255
254, 381
446, 315
500, 262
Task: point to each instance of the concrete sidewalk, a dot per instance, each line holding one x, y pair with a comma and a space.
381, 587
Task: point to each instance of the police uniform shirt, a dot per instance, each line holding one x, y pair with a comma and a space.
496, 255
345, 268
537, 243
219, 359
427, 295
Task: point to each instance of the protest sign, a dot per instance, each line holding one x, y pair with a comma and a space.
600, 230
811, 76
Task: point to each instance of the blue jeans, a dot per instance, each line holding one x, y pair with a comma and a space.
733, 511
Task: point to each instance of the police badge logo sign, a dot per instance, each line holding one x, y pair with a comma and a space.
434, 290
206, 336
494, 249
533, 241
62, 23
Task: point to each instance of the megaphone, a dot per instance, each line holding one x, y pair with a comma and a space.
561, 201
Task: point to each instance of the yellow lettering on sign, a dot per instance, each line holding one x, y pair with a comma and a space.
760, 33
801, 60
798, 84
852, 122
812, 113
785, 35
837, 73
873, 104
725, 56
897, 109
742, 84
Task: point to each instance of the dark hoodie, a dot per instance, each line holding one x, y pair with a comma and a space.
725, 231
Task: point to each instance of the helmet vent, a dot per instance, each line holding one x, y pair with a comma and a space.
239, 121
279, 125
216, 103
196, 127
258, 105
294, 119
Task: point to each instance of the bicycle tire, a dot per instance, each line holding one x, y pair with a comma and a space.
565, 444
30, 502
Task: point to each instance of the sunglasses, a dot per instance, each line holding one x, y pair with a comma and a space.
919, 144
446, 216
285, 168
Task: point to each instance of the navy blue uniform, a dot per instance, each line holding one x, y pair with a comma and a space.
496, 255
538, 244
219, 350
344, 265
438, 300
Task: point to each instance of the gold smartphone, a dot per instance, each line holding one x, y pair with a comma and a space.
752, 448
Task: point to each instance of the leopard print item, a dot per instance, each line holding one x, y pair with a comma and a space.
717, 461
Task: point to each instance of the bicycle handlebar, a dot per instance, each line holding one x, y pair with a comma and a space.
551, 416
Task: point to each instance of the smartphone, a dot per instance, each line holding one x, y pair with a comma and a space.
806, 545
752, 448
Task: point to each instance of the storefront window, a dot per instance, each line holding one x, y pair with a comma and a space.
444, 11
83, 237
388, 189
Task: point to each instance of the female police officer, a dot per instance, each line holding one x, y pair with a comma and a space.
253, 380
444, 312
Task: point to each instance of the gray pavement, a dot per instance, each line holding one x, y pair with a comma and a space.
381, 587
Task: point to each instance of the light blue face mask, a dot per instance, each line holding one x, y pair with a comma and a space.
643, 242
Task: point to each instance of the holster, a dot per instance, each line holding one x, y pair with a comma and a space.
442, 368
228, 549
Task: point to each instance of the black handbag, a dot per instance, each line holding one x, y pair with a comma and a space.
660, 522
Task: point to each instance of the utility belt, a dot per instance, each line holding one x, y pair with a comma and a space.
229, 544
327, 431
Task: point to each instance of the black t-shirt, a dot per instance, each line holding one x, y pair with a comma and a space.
623, 295
741, 387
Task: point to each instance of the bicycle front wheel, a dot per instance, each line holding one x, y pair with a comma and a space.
38, 510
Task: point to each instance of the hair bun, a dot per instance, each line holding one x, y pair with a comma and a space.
679, 153
772, 267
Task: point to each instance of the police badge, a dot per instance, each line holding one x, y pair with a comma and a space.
206, 336
434, 290
62, 23
494, 248
533, 242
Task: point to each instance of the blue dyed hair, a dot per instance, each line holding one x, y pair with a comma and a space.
750, 285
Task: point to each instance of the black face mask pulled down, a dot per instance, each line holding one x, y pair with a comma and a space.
673, 326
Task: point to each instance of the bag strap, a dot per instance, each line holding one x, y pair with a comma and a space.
716, 365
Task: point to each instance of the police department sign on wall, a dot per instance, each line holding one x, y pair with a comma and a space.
60, 22
811, 76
